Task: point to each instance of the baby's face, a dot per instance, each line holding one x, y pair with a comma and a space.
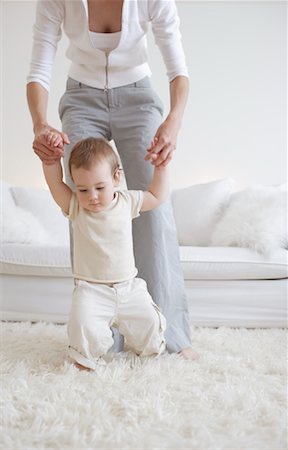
95, 187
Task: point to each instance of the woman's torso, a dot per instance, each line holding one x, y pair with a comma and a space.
121, 65
127, 62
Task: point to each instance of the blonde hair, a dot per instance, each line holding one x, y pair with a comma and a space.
90, 151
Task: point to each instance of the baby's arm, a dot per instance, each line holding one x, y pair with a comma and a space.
158, 189
59, 190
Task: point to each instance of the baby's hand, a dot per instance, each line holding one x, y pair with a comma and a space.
151, 156
54, 138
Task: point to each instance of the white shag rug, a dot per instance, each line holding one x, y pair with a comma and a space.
234, 397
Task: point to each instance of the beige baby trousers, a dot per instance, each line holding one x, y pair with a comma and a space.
127, 306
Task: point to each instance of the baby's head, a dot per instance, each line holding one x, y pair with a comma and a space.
95, 170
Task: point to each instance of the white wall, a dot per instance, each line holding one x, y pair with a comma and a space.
235, 121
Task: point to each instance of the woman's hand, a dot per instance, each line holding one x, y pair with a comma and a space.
164, 143
49, 143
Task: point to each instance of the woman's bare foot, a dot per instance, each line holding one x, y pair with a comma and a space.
80, 367
188, 353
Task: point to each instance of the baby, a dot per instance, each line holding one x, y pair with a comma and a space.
107, 290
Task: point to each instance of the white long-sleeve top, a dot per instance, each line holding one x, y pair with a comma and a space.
125, 64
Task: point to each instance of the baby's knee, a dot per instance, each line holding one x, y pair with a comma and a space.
152, 341
97, 337
157, 343
153, 346
159, 321
101, 342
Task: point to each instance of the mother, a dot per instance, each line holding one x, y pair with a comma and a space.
108, 94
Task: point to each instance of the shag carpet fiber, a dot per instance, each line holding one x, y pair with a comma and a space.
233, 397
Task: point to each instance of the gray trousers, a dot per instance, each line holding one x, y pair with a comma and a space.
131, 115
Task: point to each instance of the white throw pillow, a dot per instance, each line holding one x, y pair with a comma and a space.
197, 209
20, 226
255, 218
40, 203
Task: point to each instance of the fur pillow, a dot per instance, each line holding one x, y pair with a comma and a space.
255, 218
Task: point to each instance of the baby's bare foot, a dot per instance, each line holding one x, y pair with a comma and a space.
80, 367
188, 353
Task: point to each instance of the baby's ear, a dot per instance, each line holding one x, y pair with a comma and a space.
117, 176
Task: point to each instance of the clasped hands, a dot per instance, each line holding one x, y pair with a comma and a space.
163, 145
49, 144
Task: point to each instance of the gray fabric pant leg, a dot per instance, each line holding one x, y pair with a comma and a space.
131, 115
136, 114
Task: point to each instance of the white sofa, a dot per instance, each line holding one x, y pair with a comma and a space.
225, 285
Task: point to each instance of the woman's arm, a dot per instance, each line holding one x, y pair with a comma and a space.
179, 90
46, 34
165, 26
47, 149
165, 141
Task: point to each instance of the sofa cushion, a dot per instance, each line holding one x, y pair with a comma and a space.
20, 226
39, 260
232, 263
6, 195
197, 208
198, 263
40, 203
